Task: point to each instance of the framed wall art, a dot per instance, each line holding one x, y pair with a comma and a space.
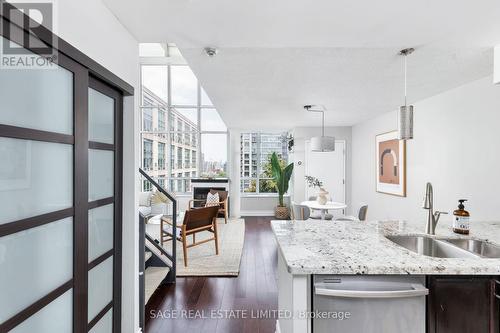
391, 164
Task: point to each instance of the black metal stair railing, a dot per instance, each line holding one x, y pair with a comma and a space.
145, 237
172, 255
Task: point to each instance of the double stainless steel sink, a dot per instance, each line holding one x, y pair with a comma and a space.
447, 247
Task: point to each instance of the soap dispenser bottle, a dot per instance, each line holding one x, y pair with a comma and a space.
461, 218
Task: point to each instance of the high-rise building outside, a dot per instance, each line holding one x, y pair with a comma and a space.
169, 144
256, 150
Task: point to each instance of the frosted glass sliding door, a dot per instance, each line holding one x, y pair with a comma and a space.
60, 190
43, 263
100, 287
101, 174
105, 325
37, 196
35, 178
55, 317
101, 117
38, 99
104, 217
101, 231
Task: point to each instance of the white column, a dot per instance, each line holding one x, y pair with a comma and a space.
130, 223
234, 172
496, 74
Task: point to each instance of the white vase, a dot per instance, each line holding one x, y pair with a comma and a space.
322, 196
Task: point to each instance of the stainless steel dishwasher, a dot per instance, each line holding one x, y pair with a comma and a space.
368, 304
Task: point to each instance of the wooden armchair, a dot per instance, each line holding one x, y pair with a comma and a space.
223, 203
195, 220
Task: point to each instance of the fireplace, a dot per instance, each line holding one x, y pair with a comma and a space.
200, 193
201, 187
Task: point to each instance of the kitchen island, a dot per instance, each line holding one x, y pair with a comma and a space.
312, 249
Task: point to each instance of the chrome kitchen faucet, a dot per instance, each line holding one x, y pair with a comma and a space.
432, 217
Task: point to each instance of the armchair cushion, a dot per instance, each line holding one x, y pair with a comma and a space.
212, 199
222, 194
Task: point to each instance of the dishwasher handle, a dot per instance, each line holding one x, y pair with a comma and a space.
415, 291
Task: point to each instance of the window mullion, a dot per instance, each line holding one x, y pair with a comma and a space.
257, 190
198, 126
170, 158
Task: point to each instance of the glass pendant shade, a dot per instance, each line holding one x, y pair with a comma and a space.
405, 122
323, 143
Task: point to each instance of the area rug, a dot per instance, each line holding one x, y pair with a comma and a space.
202, 260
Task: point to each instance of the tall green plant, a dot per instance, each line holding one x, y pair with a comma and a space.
281, 176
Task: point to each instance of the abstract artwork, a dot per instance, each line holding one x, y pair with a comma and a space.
391, 164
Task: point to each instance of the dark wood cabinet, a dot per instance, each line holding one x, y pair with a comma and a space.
463, 304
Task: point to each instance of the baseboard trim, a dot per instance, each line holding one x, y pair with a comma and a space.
257, 213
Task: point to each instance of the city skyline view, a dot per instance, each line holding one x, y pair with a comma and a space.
175, 147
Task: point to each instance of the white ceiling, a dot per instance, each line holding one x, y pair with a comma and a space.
277, 55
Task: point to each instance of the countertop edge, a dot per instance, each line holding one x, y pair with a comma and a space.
488, 267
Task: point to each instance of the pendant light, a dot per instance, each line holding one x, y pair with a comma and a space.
321, 143
405, 114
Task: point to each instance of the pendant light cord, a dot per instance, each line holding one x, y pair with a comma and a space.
310, 109
406, 69
323, 123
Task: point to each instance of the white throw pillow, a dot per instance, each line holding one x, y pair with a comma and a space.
212, 200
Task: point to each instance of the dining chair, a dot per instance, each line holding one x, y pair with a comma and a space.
316, 214
195, 220
300, 212
362, 212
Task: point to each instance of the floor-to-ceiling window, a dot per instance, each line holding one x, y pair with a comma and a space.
255, 160
183, 135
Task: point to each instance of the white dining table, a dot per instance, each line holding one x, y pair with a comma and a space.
330, 205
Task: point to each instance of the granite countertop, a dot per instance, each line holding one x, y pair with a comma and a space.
325, 247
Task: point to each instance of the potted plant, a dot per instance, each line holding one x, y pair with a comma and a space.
322, 194
281, 177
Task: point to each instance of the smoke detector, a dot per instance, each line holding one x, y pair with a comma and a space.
211, 51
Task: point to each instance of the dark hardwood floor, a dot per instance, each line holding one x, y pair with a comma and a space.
254, 290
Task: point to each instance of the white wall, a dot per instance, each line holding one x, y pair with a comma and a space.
301, 134
455, 148
260, 205
496, 77
94, 30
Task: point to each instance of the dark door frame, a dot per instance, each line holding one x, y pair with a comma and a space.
86, 73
